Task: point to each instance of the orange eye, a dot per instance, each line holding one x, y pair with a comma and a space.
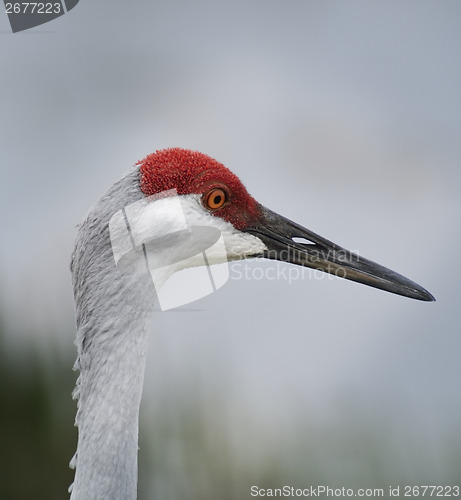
215, 198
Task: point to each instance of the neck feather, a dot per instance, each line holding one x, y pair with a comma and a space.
113, 316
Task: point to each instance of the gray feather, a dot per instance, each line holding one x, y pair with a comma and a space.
113, 313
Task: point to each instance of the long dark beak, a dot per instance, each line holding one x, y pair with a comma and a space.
289, 242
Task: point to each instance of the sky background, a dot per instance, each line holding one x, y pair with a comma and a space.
343, 116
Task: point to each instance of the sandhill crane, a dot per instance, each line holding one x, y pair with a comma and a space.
113, 303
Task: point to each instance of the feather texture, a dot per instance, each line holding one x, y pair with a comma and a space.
113, 315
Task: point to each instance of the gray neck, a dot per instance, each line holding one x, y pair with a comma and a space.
113, 315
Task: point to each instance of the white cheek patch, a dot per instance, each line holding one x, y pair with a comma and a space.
167, 233
148, 221
152, 218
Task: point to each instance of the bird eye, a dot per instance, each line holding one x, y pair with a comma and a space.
215, 198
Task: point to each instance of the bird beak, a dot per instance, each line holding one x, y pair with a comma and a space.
289, 242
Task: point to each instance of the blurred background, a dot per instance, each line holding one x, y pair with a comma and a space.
344, 116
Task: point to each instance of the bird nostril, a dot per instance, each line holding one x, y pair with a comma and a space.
303, 241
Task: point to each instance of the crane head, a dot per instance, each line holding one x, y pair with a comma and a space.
215, 197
